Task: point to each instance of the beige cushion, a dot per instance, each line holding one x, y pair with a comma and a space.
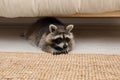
99, 6
34, 8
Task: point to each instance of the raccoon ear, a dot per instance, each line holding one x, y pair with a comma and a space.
69, 28
52, 28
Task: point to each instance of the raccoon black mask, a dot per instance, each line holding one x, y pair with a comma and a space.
61, 38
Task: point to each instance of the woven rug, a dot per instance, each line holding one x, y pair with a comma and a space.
31, 66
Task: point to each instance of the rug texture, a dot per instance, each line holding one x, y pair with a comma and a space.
31, 66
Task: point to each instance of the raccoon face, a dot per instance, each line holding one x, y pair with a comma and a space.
61, 39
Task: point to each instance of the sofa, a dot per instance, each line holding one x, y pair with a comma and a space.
59, 8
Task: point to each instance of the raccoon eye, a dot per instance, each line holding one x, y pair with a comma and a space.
58, 40
67, 39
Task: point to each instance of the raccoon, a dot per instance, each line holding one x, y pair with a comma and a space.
51, 35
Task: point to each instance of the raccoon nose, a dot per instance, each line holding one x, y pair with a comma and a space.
65, 46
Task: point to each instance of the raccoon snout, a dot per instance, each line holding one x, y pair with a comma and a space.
65, 47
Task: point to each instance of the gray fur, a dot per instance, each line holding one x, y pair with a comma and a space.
46, 30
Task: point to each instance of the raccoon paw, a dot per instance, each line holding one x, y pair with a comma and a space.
56, 53
65, 52
60, 52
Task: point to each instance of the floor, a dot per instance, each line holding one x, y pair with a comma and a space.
89, 40
17, 66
